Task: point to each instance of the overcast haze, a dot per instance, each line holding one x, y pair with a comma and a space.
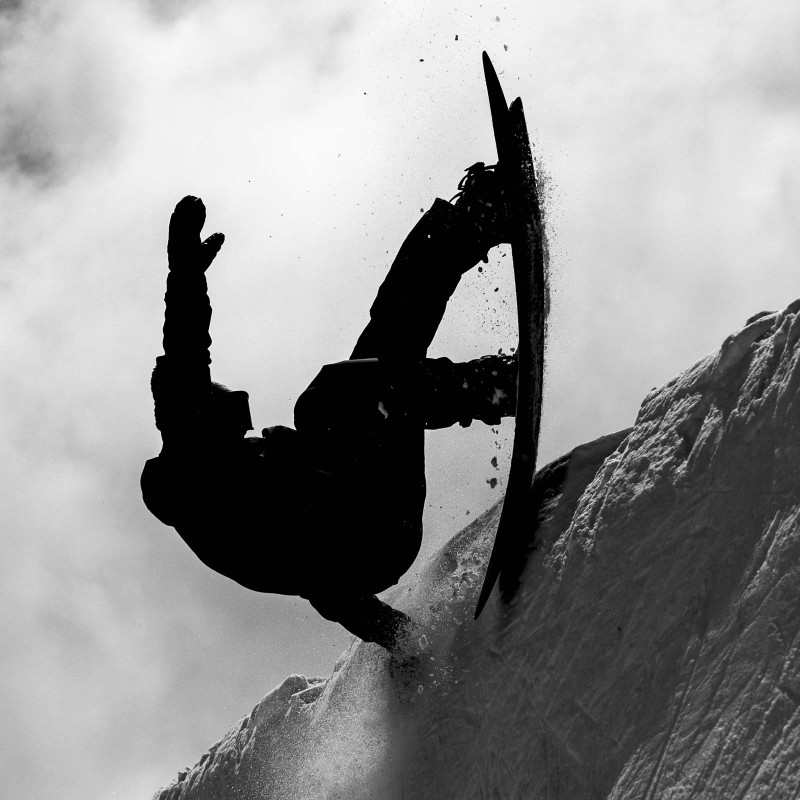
316, 132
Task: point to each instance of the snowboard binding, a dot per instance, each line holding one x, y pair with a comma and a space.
481, 201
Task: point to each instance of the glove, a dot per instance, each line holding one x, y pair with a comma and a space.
186, 253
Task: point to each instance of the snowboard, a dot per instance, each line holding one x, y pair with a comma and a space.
516, 170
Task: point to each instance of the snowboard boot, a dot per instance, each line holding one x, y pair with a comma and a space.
480, 203
484, 389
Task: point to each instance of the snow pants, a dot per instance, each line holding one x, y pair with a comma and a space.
365, 419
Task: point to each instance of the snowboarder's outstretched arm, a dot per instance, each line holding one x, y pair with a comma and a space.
181, 381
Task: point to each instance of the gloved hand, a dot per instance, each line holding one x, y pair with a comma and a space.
186, 253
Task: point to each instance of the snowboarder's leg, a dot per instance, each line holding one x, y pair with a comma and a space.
448, 241
379, 451
360, 396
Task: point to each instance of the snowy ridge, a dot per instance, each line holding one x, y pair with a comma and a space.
652, 649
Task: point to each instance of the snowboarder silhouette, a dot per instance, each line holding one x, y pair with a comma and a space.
331, 510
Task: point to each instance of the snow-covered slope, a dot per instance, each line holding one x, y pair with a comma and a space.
651, 651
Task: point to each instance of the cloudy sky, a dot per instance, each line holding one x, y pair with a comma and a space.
316, 131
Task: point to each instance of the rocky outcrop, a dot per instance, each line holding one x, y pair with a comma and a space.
651, 650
